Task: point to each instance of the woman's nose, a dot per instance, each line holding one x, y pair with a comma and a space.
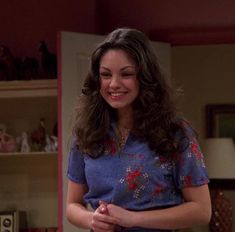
115, 82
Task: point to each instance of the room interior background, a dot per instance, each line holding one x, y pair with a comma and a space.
202, 36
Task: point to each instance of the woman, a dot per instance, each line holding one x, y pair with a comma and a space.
133, 159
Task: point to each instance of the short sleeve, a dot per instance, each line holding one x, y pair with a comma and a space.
189, 168
76, 165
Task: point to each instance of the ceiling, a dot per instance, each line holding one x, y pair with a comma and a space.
180, 22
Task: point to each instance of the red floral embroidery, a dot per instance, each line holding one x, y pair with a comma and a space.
132, 179
199, 155
158, 190
162, 159
187, 181
132, 185
194, 147
195, 150
135, 156
135, 180
177, 158
110, 146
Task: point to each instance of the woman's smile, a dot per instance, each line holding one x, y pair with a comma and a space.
117, 95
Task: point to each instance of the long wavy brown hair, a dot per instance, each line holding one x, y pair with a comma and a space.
154, 110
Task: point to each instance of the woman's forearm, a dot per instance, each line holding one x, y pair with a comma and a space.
79, 215
183, 216
196, 210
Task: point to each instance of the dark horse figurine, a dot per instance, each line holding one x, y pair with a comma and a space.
12, 68
8, 65
30, 68
48, 61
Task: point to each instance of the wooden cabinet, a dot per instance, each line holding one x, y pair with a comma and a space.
28, 181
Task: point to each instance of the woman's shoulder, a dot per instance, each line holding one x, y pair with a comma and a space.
184, 127
73, 145
184, 134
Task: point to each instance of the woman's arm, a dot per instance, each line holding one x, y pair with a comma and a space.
196, 210
80, 216
76, 211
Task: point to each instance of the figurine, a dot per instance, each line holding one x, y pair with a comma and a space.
38, 137
3, 71
48, 61
7, 142
8, 68
51, 143
55, 142
30, 68
24, 143
55, 129
48, 147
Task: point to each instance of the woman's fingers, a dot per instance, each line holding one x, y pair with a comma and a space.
101, 221
103, 207
99, 225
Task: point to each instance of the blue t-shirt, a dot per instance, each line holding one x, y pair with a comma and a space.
135, 177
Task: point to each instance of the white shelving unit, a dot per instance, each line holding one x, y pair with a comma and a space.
28, 181
27, 154
31, 88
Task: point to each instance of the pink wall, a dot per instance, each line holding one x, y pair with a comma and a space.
24, 23
177, 22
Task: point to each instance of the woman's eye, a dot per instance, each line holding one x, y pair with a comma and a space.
128, 75
105, 75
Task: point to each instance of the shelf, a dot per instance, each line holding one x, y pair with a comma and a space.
28, 154
29, 179
30, 88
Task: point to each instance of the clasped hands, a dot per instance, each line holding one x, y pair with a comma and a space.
108, 217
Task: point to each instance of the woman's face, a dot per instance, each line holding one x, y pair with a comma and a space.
118, 79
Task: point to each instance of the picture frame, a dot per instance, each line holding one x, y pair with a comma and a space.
220, 122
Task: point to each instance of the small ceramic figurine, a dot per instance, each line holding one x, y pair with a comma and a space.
24, 143
55, 142
51, 143
38, 137
7, 141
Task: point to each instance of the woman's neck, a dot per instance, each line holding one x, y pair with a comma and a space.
125, 119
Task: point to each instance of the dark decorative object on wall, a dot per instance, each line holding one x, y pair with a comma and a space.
48, 61
220, 120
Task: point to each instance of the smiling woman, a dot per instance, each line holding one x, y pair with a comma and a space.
118, 80
132, 158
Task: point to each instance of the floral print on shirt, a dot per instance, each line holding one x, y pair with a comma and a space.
135, 180
110, 146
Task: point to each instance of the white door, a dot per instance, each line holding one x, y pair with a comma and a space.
74, 51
